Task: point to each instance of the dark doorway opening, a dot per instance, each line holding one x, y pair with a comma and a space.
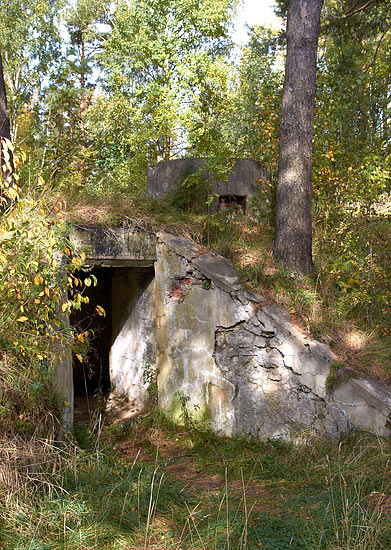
92, 376
121, 342
235, 203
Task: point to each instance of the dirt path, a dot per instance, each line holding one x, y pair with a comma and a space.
180, 462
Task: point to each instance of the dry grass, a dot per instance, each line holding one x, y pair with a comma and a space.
192, 491
31, 466
120, 209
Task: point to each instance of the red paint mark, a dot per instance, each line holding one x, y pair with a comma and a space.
176, 292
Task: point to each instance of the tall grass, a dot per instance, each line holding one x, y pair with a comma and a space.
78, 495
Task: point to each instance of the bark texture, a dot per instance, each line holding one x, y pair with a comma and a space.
6, 177
4, 118
293, 238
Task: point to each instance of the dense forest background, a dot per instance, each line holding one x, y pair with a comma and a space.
98, 90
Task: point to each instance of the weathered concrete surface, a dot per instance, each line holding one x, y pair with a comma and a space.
63, 386
131, 303
366, 402
120, 246
244, 368
244, 179
63, 371
132, 353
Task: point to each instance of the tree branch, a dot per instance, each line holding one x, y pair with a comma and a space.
353, 11
366, 67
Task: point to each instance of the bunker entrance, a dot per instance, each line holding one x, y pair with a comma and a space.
92, 376
120, 342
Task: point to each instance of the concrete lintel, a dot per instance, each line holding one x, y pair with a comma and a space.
115, 262
110, 247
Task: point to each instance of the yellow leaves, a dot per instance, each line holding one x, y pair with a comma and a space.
80, 358
40, 181
38, 280
7, 145
329, 155
66, 306
12, 192
32, 307
22, 319
100, 311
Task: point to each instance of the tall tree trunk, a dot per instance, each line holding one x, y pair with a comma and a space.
6, 177
4, 117
293, 237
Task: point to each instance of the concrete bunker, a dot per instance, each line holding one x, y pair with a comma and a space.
92, 376
119, 343
245, 182
181, 315
235, 203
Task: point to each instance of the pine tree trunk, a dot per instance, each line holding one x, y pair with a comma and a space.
6, 176
4, 118
293, 237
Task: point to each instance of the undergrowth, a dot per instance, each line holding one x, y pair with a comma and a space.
126, 490
37, 287
90, 493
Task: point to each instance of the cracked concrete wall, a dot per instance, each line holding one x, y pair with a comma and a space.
224, 356
240, 365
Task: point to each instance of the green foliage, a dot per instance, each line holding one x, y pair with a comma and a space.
161, 62
332, 379
150, 380
251, 124
34, 281
30, 46
190, 195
